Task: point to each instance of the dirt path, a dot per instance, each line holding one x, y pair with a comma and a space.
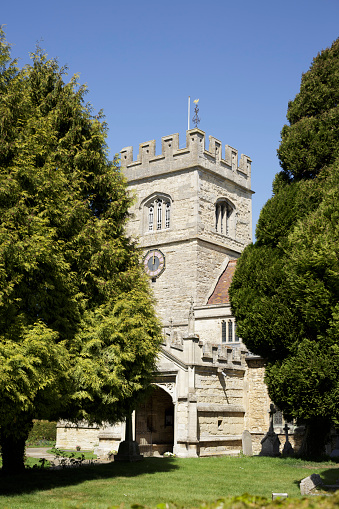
39, 452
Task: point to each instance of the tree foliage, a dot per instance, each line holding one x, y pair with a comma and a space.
311, 140
78, 330
285, 290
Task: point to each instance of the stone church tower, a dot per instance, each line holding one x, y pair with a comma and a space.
192, 218
192, 214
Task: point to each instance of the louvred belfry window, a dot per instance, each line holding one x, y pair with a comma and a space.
223, 217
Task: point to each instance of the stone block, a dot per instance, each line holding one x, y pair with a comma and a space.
309, 484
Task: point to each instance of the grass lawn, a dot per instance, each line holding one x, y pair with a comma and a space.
186, 482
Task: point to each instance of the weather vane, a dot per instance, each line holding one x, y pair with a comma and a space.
196, 118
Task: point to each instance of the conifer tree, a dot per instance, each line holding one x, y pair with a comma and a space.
285, 290
78, 333
311, 139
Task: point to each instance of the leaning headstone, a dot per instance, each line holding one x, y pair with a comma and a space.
270, 444
247, 443
309, 485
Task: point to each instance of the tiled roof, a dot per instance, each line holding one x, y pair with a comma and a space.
220, 292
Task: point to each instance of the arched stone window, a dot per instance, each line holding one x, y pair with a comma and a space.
168, 214
224, 217
151, 216
157, 212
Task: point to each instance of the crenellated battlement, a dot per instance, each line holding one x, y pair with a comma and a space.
191, 350
173, 158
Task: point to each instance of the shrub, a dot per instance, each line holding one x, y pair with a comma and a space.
42, 431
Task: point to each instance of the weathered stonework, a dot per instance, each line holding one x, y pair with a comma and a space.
70, 435
192, 180
193, 206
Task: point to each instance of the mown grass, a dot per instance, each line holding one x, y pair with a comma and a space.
184, 482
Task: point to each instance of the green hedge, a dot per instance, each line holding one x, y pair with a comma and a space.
42, 431
254, 502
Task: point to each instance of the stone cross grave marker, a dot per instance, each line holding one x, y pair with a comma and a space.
270, 444
288, 449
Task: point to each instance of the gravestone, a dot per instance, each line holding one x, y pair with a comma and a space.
270, 444
277, 496
335, 452
309, 484
287, 449
247, 443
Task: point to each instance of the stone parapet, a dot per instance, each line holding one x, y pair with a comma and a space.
222, 357
173, 159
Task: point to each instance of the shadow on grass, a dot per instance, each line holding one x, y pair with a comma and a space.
45, 479
329, 476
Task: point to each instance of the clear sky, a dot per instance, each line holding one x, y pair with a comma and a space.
142, 59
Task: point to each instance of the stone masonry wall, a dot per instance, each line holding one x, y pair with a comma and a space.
192, 179
220, 410
214, 388
181, 188
69, 437
212, 188
256, 399
177, 284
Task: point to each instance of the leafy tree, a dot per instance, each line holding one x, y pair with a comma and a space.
78, 331
285, 289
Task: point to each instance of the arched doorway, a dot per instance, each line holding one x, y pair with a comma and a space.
154, 423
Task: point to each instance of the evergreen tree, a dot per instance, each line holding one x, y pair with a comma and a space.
311, 140
78, 331
285, 290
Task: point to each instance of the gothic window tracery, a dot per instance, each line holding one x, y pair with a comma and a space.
150, 217
158, 213
168, 215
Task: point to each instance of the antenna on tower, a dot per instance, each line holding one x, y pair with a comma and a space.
196, 118
189, 112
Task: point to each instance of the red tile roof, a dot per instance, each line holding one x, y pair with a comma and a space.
220, 292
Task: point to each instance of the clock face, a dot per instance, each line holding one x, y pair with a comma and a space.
154, 263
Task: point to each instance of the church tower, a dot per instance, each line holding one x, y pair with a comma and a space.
192, 215
192, 219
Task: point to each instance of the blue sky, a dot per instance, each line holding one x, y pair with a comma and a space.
142, 59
